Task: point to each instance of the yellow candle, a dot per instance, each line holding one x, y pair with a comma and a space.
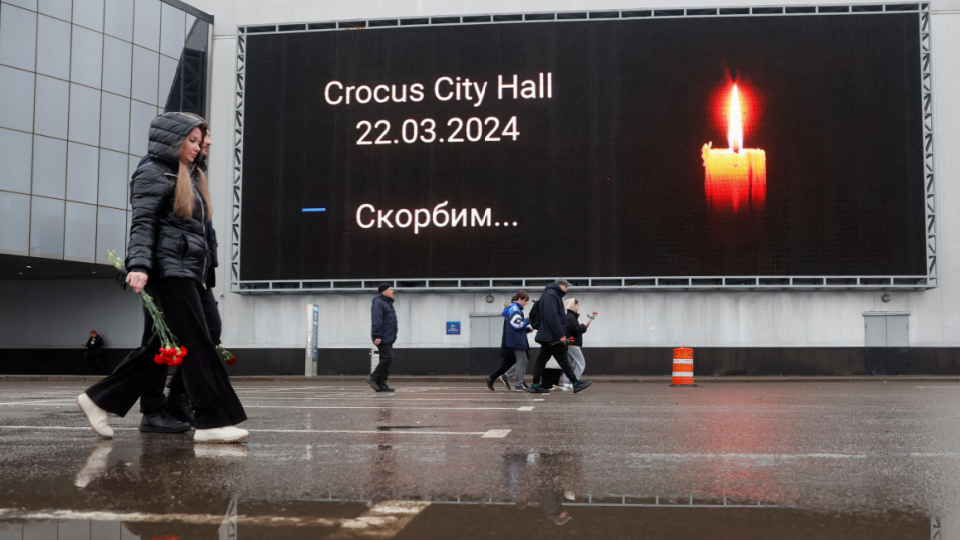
736, 177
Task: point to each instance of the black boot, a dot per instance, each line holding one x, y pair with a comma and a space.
179, 407
384, 387
162, 422
374, 384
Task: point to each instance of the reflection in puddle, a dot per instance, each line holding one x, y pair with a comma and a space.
469, 520
160, 489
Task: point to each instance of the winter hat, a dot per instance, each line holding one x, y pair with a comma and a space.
561, 281
383, 287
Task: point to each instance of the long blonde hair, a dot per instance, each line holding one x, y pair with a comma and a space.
183, 196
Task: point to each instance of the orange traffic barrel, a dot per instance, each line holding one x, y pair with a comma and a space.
683, 367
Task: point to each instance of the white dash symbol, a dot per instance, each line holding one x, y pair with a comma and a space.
525, 409
495, 434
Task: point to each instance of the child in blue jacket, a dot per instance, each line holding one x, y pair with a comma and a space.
513, 345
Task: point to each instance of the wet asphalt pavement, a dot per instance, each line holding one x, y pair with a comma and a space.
825, 460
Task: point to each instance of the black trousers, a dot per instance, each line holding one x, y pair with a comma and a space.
207, 386
509, 360
153, 400
383, 368
558, 351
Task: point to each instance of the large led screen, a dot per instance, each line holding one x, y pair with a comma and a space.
713, 146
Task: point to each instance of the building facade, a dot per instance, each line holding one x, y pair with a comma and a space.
821, 330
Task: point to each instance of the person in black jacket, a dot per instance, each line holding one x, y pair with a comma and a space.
93, 345
383, 319
168, 255
575, 331
173, 413
552, 337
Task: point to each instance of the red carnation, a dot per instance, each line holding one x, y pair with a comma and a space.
159, 359
232, 361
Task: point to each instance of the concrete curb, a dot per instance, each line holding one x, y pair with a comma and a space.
479, 379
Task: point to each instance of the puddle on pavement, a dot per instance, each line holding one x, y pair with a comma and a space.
165, 491
552, 516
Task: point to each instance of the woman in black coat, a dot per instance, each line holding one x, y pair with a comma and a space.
169, 256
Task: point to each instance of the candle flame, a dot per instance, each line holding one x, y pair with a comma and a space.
735, 129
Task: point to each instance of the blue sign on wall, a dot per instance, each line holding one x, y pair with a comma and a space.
453, 328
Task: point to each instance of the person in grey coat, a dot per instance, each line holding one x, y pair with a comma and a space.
383, 331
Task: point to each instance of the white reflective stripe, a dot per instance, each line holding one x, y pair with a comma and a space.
683, 360
688, 374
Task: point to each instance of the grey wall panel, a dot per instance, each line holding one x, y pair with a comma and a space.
141, 115
111, 233
18, 37
53, 47
145, 73
84, 115
146, 24
26, 4
80, 232
171, 31
112, 188
51, 107
114, 122
61, 9
14, 223
46, 227
16, 99
86, 57
49, 167
83, 162
118, 19
16, 149
117, 67
89, 14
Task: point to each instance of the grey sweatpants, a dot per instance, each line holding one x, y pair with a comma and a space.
519, 368
578, 361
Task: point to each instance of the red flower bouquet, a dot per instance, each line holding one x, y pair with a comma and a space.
170, 353
227, 357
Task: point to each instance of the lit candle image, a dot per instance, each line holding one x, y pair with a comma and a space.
736, 177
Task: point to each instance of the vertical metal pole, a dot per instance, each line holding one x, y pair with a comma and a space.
310, 351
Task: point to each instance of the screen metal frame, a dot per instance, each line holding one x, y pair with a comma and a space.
644, 283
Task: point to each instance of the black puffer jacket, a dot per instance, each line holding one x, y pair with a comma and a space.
575, 330
163, 244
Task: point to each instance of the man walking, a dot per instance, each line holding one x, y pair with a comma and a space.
93, 345
552, 337
383, 320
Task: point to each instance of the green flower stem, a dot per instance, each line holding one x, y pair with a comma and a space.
160, 328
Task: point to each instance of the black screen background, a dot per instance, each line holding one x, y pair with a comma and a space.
606, 178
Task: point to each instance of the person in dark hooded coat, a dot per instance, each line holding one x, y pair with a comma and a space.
168, 256
552, 337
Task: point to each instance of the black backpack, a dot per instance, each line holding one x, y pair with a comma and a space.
535, 316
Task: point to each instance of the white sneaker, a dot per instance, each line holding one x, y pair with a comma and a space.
229, 434
567, 387
95, 415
